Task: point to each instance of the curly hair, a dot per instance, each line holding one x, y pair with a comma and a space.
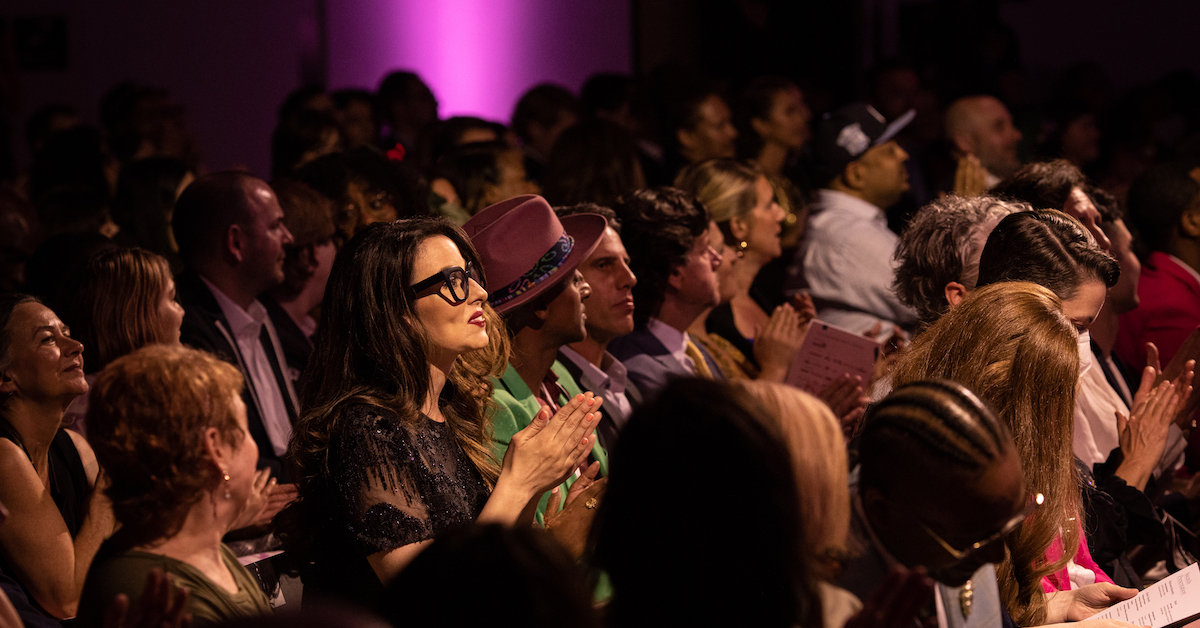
942, 244
1011, 344
659, 227
366, 351
112, 307
147, 417
1047, 247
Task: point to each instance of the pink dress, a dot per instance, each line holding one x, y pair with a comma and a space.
1081, 571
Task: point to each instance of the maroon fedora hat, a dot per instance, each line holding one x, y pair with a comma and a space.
526, 249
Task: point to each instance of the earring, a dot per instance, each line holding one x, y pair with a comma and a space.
741, 248
225, 477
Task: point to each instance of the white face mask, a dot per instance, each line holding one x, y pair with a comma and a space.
1085, 351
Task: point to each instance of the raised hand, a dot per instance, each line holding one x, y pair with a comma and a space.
970, 179
778, 341
161, 606
845, 397
1143, 435
549, 449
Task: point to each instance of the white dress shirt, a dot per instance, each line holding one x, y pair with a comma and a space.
608, 382
246, 327
848, 264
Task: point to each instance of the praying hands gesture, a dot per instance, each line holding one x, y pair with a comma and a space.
542, 456
778, 341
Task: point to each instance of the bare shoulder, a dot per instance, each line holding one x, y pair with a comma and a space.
86, 455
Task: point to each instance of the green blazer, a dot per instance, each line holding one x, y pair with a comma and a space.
515, 408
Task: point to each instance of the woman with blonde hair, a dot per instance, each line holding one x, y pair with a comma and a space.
818, 452
743, 206
123, 299
1013, 346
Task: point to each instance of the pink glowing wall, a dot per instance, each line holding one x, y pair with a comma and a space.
478, 56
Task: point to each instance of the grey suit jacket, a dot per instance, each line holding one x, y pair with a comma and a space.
650, 364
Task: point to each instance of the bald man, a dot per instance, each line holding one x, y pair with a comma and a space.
981, 126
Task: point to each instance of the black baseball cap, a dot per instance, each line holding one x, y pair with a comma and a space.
845, 134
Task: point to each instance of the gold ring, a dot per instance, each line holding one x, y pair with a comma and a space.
590, 504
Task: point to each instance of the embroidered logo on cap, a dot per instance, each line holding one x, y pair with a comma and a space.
853, 140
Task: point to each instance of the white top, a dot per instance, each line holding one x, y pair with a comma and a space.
674, 340
848, 264
246, 327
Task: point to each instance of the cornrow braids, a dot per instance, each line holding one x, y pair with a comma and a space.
941, 421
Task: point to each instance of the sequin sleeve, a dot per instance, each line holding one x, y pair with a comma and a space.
401, 482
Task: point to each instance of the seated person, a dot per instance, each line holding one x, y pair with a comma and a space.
845, 260
170, 430
56, 516
530, 258
666, 232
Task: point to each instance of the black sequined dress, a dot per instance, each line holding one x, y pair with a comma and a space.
391, 483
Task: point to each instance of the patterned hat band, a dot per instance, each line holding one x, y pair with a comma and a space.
542, 270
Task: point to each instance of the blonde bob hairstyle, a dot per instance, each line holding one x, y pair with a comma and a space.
1012, 345
818, 452
727, 187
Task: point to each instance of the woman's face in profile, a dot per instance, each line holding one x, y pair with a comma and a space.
451, 328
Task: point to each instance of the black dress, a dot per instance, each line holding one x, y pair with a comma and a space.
391, 483
68, 485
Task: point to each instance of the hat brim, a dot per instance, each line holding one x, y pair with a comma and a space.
896, 126
586, 229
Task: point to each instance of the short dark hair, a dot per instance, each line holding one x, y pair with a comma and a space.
296, 135
606, 91
754, 102
1109, 207
206, 209
659, 228
1044, 185
1157, 200
594, 161
614, 222
648, 544
470, 169
1046, 247
543, 104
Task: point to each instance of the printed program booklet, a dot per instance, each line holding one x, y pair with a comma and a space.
1171, 602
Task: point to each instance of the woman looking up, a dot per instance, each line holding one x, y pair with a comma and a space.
56, 520
394, 444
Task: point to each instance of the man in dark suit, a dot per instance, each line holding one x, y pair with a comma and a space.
231, 237
665, 231
609, 315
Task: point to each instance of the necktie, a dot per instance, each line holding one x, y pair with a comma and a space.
693, 352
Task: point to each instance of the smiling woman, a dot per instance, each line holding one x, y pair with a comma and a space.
56, 521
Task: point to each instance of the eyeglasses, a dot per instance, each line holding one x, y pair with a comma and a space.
1035, 500
455, 279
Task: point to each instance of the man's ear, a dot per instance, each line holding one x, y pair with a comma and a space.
759, 126
686, 139
675, 279
1189, 222
235, 242
853, 175
955, 293
962, 144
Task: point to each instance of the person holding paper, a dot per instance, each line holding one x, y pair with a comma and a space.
1012, 345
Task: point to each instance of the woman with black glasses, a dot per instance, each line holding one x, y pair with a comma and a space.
393, 443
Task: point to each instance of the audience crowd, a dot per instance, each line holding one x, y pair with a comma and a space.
562, 371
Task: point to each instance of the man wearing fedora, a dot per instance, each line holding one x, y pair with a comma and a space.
665, 231
529, 258
845, 261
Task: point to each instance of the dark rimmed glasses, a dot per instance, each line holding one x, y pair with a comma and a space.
1035, 500
456, 281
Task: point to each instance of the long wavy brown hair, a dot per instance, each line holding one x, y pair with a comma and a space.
367, 350
1012, 345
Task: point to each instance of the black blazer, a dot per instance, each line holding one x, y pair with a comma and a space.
205, 328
